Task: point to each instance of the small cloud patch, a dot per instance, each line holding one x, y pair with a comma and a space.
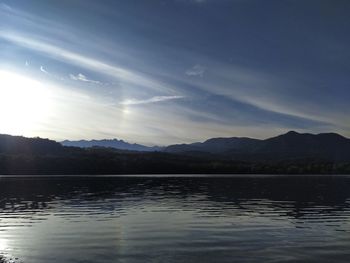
150, 100
196, 70
81, 77
43, 70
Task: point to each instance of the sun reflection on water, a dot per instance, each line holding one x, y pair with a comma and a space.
3, 244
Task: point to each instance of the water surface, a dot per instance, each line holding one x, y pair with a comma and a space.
175, 219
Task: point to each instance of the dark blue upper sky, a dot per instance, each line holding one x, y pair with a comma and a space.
172, 71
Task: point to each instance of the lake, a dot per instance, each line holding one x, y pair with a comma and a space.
175, 219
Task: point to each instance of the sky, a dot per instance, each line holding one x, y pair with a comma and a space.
160, 72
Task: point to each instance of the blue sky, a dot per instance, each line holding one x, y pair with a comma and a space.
170, 71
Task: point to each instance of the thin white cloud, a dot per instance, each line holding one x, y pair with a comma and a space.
240, 79
43, 70
248, 86
196, 70
5, 7
81, 77
150, 100
27, 64
89, 63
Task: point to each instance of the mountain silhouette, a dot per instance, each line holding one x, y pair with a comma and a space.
35, 146
290, 153
329, 146
114, 143
290, 145
215, 146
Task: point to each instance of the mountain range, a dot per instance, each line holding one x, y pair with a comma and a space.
289, 145
290, 153
114, 143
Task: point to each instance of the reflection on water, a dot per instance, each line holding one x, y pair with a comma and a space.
182, 219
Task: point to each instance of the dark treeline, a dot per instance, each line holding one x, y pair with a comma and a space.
20, 155
103, 161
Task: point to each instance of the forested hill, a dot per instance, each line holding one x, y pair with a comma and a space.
28, 146
329, 146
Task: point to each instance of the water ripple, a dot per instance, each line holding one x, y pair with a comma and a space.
182, 219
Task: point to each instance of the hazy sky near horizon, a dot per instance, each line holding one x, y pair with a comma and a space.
170, 71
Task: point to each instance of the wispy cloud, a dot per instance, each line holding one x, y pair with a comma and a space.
52, 75
150, 100
87, 62
5, 7
43, 70
196, 70
257, 96
81, 77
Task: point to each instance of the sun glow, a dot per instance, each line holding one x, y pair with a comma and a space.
24, 103
3, 244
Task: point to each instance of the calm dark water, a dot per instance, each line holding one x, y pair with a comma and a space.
182, 219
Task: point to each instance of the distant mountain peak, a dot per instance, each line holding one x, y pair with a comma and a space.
292, 133
111, 143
